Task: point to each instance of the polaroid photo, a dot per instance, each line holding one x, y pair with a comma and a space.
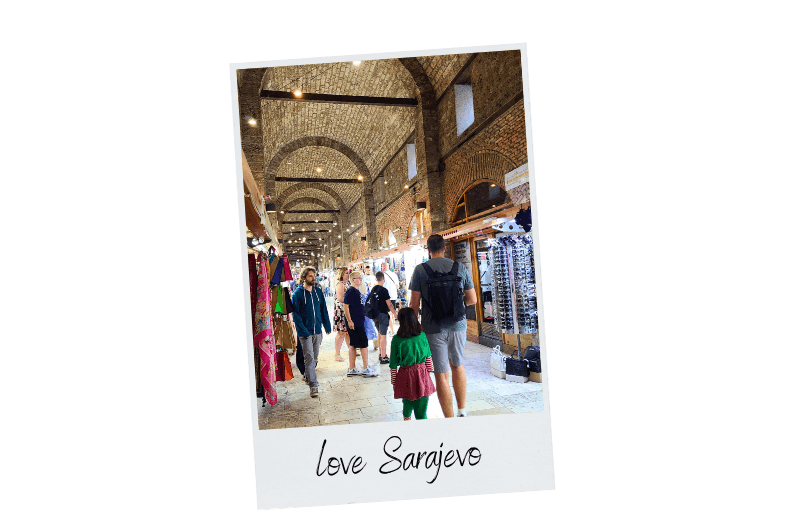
391, 265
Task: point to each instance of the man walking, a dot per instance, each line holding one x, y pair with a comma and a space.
310, 316
391, 285
444, 320
385, 307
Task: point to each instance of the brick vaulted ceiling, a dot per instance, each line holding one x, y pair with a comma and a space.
293, 138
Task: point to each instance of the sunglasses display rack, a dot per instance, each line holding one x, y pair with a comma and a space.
514, 284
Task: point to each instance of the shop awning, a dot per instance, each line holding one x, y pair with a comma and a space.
493, 219
255, 217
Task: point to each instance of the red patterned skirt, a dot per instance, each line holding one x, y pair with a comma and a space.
413, 382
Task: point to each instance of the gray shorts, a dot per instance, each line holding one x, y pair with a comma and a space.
446, 346
382, 323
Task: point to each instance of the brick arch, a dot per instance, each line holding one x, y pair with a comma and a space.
485, 165
427, 94
347, 151
286, 195
313, 201
252, 137
426, 140
325, 142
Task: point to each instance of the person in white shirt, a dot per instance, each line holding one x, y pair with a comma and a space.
391, 283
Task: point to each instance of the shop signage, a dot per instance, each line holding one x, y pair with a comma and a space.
517, 177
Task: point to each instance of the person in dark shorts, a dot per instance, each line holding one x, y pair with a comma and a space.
354, 312
385, 307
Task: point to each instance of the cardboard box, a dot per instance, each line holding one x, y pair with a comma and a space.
535, 377
516, 378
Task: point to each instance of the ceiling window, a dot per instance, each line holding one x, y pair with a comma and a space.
465, 109
411, 152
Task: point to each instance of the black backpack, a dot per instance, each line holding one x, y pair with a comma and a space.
445, 295
372, 305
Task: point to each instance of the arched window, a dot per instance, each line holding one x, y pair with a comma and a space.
416, 226
483, 196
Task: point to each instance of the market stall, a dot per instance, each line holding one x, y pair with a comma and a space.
470, 244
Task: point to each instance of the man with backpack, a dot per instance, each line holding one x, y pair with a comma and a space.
445, 288
378, 307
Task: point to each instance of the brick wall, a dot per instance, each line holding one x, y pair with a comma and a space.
493, 152
496, 79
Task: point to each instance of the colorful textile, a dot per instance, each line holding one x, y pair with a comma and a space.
283, 371
253, 274
287, 271
263, 334
279, 270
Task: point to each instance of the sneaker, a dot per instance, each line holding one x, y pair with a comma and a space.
369, 372
461, 415
314, 391
355, 372
384, 360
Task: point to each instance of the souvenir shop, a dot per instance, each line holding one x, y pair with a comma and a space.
269, 274
492, 239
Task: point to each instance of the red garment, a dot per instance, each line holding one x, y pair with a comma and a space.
287, 271
413, 382
283, 371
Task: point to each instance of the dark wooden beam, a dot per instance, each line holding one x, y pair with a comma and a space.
331, 211
338, 98
320, 222
316, 180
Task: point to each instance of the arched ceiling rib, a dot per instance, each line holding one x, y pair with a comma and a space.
441, 69
373, 132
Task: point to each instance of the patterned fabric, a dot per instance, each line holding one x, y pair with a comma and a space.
251, 267
339, 318
263, 334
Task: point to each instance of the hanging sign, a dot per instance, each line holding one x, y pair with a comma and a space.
517, 177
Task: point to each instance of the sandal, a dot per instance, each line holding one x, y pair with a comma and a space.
338, 358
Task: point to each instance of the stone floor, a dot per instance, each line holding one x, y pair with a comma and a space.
344, 400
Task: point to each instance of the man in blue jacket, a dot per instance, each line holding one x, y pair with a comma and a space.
310, 316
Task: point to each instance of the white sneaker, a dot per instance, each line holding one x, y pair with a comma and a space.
355, 372
369, 372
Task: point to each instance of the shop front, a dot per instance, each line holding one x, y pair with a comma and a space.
483, 208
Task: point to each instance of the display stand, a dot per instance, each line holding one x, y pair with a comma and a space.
513, 286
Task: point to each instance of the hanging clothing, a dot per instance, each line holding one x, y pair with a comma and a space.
282, 271
263, 334
283, 370
253, 274
287, 271
284, 335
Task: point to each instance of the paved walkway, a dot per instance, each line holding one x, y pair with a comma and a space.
344, 400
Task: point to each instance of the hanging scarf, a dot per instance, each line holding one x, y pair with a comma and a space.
253, 272
263, 335
287, 271
276, 279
